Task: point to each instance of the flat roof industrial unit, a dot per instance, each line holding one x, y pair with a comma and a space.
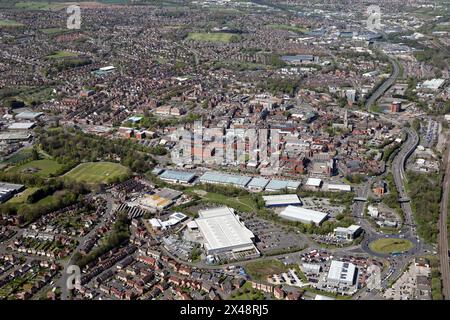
15, 136
28, 115
169, 194
177, 176
277, 185
282, 200
12, 186
348, 233
303, 215
157, 171
314, 182
258, 183
5, 195
342, 272
223, 178
7, 190
433, 84
155, 201
311, 268
21, 126
174, 219
339, 187
223, 231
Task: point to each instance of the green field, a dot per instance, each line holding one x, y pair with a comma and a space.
22, 197
45, 167
390, 245
97, 172
10, 23
20, 201
214, 37
34, 5
243, 204
20, 156
61, 54
260, 270
247, 293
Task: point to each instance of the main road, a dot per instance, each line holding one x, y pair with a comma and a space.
443, 238
398, 172
385, 86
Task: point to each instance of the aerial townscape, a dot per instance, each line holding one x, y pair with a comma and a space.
224, 150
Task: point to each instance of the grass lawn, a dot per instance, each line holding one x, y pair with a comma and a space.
214, 37
49, 200
243, 204
19, 156
33, 95
10, 23
32, 5
97, 172
390, 245
246, 292
61, 54
259, 270
22, 197
45, 167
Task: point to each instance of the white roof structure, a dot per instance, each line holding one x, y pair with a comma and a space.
192, 225
322, 297
342, 272
349, 231
21, 125
373, 211
282, 200
107, 68
339, 187
433, 84
223, 231
311, 268
313, 182
303, 215
173, 220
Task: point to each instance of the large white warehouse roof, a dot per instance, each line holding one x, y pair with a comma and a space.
223, 231
303, 215
282, 200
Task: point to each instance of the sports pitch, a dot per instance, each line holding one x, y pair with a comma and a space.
97, 172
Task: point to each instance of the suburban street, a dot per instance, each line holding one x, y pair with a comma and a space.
62, 281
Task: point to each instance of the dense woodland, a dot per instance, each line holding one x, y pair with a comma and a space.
425, 192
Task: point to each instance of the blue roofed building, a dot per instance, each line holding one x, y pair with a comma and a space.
278, 185
257, 184
177, 176
225, 179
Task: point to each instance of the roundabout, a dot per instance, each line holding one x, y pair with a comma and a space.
390, 245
